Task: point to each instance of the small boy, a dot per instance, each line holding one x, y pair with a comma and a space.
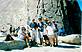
45, 37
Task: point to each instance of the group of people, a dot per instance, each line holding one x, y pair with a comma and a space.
40, 33
43, 32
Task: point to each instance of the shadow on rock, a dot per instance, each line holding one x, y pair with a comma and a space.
64, 46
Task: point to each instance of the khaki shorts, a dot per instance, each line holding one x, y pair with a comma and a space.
52, 39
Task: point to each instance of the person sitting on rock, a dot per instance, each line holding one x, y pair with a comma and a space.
9, 38
22, 35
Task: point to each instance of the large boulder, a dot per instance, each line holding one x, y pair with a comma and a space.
15, 44
72, 39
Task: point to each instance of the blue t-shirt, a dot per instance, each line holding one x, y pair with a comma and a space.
32, 25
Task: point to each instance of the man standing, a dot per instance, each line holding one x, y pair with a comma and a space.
33, 24
41, 29
10, 29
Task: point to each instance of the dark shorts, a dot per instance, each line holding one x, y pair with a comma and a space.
45, 37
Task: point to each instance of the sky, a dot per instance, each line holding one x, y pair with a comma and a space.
80, 4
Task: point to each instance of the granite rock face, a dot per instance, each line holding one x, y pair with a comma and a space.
16, 12
12, 12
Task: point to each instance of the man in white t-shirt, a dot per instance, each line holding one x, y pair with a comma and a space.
51, 35
50, 30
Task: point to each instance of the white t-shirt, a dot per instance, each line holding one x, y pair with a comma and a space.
44, 32
50, 30
20, 36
